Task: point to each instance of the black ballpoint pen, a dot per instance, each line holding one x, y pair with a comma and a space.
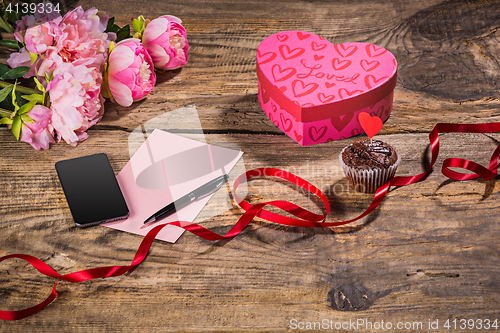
202, 191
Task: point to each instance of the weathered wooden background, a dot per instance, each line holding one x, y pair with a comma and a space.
429, 252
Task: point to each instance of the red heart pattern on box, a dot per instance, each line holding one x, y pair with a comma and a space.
306, 81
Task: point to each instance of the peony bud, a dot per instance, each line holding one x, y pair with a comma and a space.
166, 41
130, 74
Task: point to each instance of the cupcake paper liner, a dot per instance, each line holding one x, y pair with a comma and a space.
367, 181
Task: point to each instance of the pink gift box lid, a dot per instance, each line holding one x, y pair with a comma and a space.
313, 79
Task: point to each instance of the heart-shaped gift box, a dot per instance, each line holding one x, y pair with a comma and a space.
314, 90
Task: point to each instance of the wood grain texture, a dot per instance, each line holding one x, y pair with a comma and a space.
429, 252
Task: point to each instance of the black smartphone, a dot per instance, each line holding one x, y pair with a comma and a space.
91, 189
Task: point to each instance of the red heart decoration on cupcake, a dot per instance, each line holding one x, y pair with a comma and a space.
371, 125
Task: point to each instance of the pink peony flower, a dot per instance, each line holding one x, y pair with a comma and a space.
37, 31
52, 60
22, 58
39, 133
39, 38
79, 35
130, 73
71, 53
82, 35
46, 65
75, 101
166, 41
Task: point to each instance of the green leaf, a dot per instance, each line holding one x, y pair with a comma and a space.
36, 98
4, 69
16, 127
111, 22
115, 28
26, 107
14, 98
39, 85
26, 118
7, 103
112, 27
137, 25
124, 33
33, 57
16, 73
10, 43
6, 26
6, 121
5, 92
13, 17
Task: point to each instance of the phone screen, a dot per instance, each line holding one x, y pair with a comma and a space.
91, 189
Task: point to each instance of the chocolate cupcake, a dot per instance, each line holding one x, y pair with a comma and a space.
369, 165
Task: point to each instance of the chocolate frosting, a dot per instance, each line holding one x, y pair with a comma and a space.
360, 154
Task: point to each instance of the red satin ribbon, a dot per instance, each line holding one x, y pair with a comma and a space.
304, 218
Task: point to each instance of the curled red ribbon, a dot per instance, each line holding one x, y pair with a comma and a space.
304, 218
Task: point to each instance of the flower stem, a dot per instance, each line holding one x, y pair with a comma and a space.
21, 89
5, 113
